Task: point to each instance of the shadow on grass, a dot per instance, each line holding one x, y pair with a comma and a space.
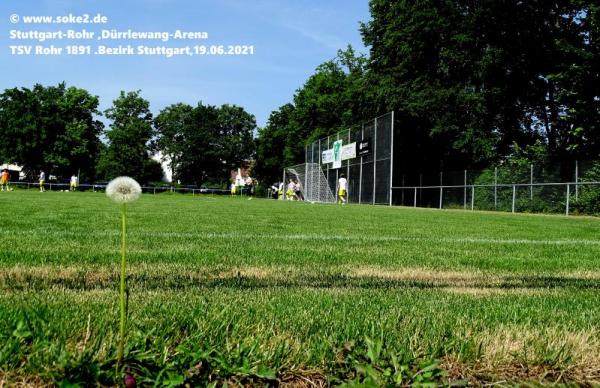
172, 281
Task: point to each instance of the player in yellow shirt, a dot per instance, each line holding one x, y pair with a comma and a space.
4, 179
42, 180
74, 182
290, 194
342, 189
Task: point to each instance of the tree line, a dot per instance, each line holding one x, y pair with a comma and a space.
472, 83
56, 129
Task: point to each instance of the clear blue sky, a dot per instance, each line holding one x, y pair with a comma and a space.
291, 38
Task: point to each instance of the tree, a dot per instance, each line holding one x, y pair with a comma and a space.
129, 138
185, 137
578, 84
424, 65
469, 79
77, 148
271, 142
332, 99
52, 129
204, 143
234, 138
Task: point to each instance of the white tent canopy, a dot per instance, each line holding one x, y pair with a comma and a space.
13, 167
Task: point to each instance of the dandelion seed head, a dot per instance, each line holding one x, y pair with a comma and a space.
123, 189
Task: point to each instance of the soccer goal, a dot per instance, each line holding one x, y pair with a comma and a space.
313, 183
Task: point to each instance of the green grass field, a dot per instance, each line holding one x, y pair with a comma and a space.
269, 292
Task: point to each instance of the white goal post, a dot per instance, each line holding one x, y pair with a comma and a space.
313, 183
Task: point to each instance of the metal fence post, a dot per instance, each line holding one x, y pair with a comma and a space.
465, 192
328, 184
306, 153
348, 166
360, 173
337, 179
392, 162
374, 160
415, 198
320, 172
305, 189
514, 197
472, 197
337, 170
495, 188
568, 199
441, 189
284, 184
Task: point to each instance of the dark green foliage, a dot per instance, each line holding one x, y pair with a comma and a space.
184, 137
588, 197
476, 77
153, 172
516, 169
467, 80
332, 99
373, 362
234, 139
128, 140
271, 144
52, 129
206, 142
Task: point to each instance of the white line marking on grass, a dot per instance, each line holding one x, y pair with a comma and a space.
303, 237
463, 240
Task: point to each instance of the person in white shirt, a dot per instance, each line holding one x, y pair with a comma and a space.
274, 190
249, 186
342, 189
73, 182
42, 180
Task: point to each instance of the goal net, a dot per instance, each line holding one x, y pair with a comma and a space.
313, 183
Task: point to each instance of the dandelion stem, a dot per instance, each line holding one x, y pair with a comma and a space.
122, 288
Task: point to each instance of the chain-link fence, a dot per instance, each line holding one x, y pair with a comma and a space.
581, 198
101, 188
375, 176
368, 171
564, 187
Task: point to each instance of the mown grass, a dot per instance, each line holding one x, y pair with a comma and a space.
268, 292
